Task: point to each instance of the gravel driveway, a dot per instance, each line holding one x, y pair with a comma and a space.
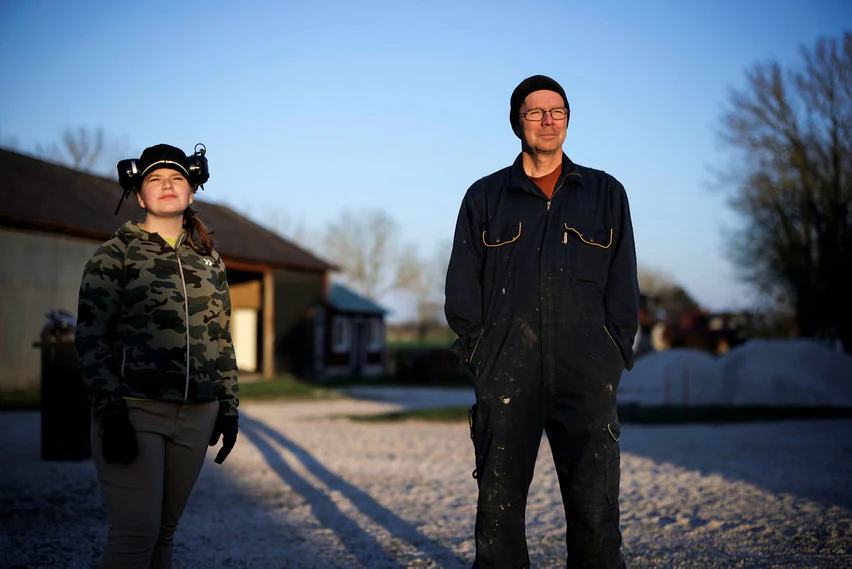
306, 488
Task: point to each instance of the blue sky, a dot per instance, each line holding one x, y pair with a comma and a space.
308, 108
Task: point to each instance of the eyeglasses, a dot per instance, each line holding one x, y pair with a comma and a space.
536, 115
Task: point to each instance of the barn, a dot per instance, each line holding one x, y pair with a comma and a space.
52, 218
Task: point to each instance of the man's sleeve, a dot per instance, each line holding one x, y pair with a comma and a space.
621, 296
227, 362
100, 290
463, 289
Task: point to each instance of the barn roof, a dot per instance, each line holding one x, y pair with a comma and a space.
39, 195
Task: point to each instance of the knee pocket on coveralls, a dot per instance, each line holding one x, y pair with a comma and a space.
613, 463
471, 419
482, 438
595, 482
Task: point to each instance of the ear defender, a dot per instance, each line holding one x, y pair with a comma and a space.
130, 175
199, 171
129, 178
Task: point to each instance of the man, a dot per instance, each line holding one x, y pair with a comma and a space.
542, 292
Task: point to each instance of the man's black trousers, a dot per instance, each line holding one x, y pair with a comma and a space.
506, 426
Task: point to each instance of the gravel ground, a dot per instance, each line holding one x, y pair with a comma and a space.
306, 488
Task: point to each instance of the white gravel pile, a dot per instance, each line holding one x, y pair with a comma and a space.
679, 376
794, 372
307, 488
786, 372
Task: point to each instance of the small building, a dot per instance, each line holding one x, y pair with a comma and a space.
350, 335
52, 219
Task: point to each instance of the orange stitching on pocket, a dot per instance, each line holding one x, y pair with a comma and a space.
515, 238
583, 239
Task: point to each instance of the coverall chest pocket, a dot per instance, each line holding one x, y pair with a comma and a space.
588, 255
500, 235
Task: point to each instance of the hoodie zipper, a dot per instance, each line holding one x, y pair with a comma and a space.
186, 314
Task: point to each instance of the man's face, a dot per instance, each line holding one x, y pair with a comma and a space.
544, 136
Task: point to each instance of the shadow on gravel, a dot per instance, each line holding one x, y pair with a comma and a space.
357, 541
794, 450
52, 514
412, 397
806, 458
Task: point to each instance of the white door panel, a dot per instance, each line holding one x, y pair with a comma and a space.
244, 334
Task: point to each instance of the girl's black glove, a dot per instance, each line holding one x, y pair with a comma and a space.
119, 438
228, 427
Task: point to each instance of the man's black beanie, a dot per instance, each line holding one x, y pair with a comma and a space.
527, 86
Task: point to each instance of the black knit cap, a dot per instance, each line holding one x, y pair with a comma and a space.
163, 156
527, 86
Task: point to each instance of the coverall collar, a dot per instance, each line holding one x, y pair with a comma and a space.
519, 181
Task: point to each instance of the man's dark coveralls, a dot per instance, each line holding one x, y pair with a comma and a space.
544, 298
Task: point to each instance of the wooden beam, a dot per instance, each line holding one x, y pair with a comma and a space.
259, 266
326, 285
268, 324
247, 294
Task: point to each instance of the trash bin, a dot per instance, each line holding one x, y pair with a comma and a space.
65, 408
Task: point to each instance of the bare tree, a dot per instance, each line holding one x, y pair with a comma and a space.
790, 132
83, 146
424, 279
80, 148
374, 261
655, 282
287, 227
9, 142
367, 248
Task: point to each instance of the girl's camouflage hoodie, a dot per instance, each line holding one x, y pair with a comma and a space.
153, 322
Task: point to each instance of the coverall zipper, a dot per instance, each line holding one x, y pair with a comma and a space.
546, 362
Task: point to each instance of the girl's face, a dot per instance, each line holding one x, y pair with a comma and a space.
165, 193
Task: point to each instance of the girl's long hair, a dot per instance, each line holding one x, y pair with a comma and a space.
197, 235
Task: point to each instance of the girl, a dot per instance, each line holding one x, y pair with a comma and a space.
153, 337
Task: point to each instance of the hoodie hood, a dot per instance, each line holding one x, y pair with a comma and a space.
132, 231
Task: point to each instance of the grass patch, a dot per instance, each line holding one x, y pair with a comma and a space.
21, 401
399, 380
285, 387
281, 387
437, 414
